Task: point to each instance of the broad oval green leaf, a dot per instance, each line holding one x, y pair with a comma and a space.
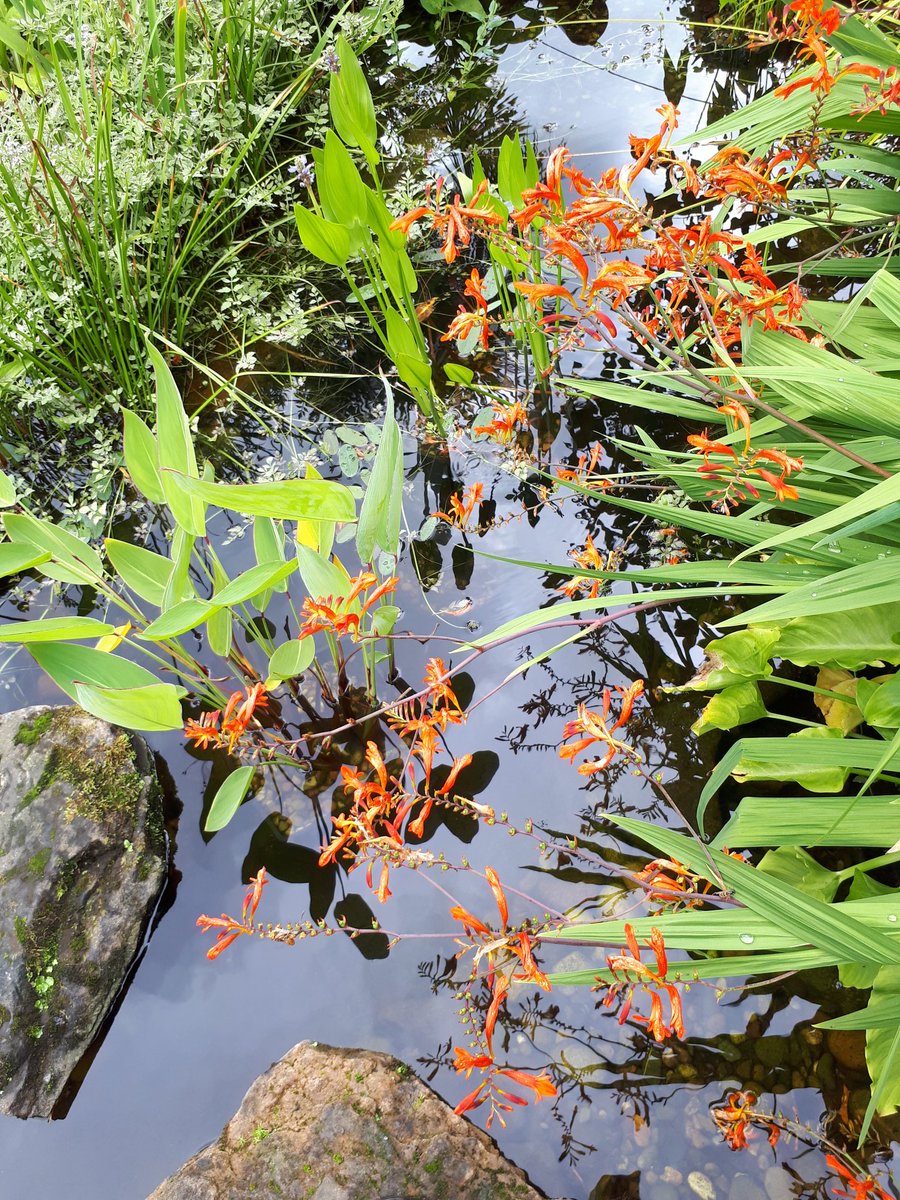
150, 709
320, 576
289, 499
341, 189
229, 798
54, 629
325, 240
65, 663
144, 571
80, 562
350, 102
8, 495
142, 458
291, 659
15, 558
379, 516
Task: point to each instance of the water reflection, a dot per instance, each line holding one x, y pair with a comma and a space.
632, 1118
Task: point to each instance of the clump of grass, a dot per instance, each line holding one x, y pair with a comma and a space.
144, 182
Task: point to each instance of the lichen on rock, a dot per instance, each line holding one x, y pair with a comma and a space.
336, 1124
83, 863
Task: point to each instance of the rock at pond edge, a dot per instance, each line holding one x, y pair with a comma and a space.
337, 1124
82, 862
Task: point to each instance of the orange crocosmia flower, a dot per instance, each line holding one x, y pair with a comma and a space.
507, 417
559, 247
473, 1100
738, 412
629, 972
254, 893
536, 292
205, 732
470, 1062
813, 14
494, 882
407, 220
436, 679
464, 323
239, 712
701, 442
735, 1117
589, 559
340, 615
783, 491
459, 764
501, 987
555, 164
857, 1188
520, 944
622, 278
462, 509
473, 287
596, 729
452, 222
781, 459
471, 924
541, 1085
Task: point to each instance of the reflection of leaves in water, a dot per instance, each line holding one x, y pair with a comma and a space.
427, 560
618, 1187
356, 913
286, 860
463, 565
471, 780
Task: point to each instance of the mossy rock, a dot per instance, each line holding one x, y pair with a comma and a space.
85, 859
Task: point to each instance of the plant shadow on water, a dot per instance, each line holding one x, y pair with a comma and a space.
632, 1118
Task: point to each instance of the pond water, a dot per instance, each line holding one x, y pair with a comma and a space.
631, 1119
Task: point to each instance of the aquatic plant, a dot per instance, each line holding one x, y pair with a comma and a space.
707, 310
146, 172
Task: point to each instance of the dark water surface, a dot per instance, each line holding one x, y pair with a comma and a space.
190, 1035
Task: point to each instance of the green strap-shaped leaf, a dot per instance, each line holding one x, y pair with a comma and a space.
54, 629
176, 448
800, 915
289, 499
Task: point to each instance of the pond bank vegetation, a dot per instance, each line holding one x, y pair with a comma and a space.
740, 287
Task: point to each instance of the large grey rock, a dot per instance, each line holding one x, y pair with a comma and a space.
328, 1124
82, 862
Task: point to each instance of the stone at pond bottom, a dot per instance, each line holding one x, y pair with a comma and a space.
335, 1124
82, 862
